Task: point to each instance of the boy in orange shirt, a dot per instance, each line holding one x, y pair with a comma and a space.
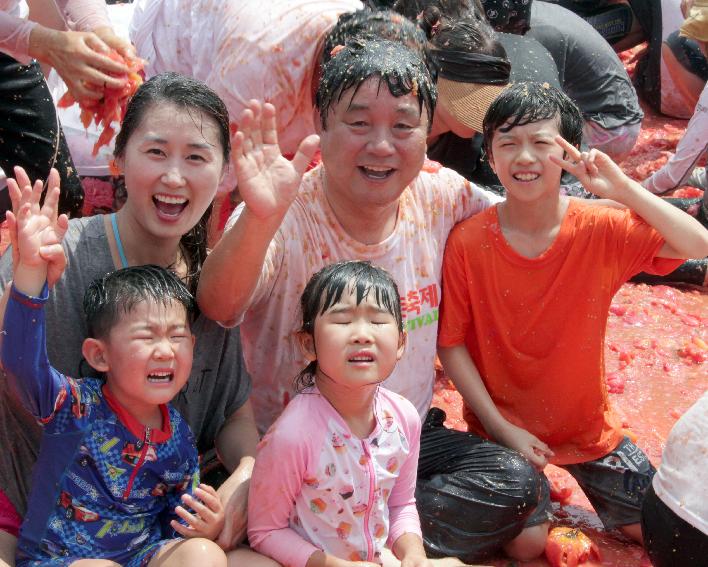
527, 286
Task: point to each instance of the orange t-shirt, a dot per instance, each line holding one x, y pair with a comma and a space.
535, 328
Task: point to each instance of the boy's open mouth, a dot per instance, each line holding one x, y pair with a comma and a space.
376, 172
160, 377
169, 205
526, 176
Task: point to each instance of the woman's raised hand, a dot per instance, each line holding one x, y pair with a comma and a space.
36, 231
267, 182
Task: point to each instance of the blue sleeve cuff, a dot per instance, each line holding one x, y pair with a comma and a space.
28, 300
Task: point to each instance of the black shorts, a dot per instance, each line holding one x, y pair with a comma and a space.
614, 484
473, 496
668, 539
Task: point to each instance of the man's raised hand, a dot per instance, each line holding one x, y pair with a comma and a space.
267, 182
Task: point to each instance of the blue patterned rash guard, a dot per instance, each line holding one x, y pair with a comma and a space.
104, 485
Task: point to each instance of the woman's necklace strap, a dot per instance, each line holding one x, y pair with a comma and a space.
119, 244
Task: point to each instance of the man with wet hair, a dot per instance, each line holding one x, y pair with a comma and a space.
286, 45
373, 197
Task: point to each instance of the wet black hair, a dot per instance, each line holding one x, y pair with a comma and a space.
118, 292
194, 96
524, 103
400, 68
326, 288
427, 12
471, 35
367, 25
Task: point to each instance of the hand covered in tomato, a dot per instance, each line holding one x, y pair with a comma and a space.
111, 105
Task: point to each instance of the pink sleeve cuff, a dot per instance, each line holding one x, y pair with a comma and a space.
85, 15
14, 37
404, 520
284, 546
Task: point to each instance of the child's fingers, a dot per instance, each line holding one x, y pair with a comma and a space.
23, 214
11, 223
36, 194
538, 461
51, 201
209, 496
55, 271
571, 166
192, 520
206, 506
207, 488
52, 252
62, 226
21, 176
183, 530
53, 255
12, 230
572, 151
15, 193
591, 163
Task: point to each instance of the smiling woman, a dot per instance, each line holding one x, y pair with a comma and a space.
173, 148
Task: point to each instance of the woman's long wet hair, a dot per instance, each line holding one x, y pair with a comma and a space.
326, 288
200, 100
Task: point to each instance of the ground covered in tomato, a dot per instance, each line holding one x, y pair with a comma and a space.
656, 368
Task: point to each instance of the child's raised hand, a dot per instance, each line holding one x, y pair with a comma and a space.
36, 231
594, 169
267, 181
530, 446
207, 518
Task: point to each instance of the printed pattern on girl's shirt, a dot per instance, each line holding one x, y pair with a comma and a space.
342, 489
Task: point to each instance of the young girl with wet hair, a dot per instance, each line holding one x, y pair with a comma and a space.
335, 475
173, 149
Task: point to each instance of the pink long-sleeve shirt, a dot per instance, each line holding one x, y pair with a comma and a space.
316, 486
81, 15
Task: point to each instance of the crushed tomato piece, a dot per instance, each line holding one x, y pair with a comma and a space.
111, 107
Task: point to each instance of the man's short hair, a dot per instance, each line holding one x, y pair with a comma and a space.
117, 293
368, 25
524, 103
400, 68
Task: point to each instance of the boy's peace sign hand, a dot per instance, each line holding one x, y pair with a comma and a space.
594, 169
36, 231
267, 181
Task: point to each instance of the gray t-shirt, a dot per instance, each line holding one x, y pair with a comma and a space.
217, 386
589, 69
